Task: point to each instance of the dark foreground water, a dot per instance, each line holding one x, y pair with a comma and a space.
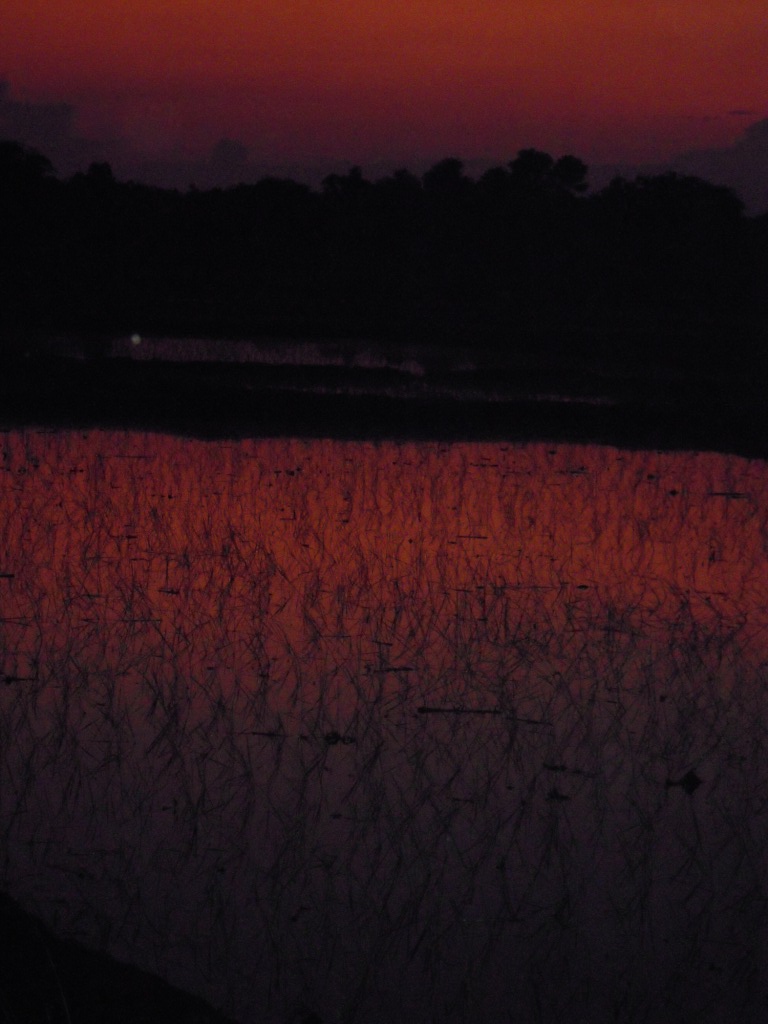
391, 732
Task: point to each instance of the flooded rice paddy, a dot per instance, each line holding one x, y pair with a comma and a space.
391, 732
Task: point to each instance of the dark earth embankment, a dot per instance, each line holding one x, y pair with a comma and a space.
44, 980
644, 409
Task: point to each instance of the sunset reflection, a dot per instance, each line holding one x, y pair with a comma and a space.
330, 560
296, 668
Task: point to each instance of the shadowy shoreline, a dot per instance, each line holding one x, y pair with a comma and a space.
46, 979
636, 315
215, 400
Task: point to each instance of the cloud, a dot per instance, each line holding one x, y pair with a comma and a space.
742, 166
229, 155
227, 163
50, 129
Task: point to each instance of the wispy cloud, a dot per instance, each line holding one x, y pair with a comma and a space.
742, 166
49, 128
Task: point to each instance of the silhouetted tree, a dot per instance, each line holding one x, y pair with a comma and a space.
520, 254
534, 170
672, 252
531, 168
571, 173
21, 166
100, 175
347, 188
28, 215
495, 183
400, 187
446, 178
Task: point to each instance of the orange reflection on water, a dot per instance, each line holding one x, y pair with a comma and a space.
278, 698
318, 562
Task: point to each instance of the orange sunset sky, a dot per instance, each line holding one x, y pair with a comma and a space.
321, 82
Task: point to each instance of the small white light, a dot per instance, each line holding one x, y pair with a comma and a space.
135, 339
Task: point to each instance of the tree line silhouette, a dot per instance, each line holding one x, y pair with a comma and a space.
524, 257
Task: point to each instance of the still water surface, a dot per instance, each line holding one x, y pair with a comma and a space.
391, 731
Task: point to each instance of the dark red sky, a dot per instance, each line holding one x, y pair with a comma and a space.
316, 83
